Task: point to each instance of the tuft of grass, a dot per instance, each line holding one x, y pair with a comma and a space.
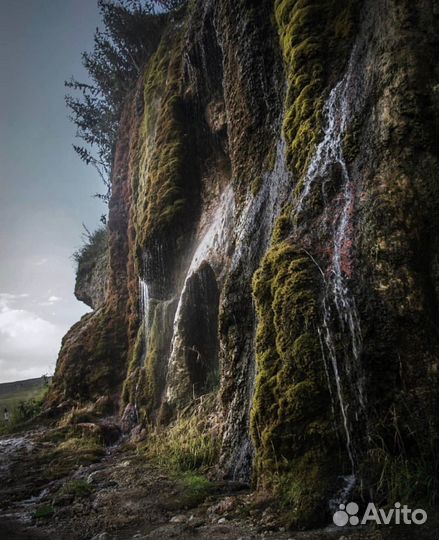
185, 446
45, 511
81, 445
399, 477
95, 246
192, 490
196, 488
191, 443
78, 488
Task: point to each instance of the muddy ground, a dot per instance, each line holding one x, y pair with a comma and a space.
53, 490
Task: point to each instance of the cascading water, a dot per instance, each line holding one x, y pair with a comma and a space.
253, 234
213, 242
144, 310
346, 365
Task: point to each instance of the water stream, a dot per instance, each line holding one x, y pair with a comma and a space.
338, 306
253, 232
213, 245
144, 310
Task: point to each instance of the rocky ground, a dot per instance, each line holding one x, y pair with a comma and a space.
71, 489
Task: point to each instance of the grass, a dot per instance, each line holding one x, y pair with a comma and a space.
192, 490
82, 446
78, 488
191, 443
94, 247
400, 477
23, 400
45, 511
12, 394
59, 461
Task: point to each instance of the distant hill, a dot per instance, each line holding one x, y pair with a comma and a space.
12, 393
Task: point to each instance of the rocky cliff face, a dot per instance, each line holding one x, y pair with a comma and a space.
92, 273
272, 255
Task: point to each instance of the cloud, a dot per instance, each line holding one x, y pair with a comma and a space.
51, 300
41, 262
29, 344
7, 297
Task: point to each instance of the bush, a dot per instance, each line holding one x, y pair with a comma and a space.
95, 245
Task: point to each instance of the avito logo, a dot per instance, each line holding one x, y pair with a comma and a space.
347, 514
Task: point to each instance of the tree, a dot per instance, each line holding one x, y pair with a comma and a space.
131, 32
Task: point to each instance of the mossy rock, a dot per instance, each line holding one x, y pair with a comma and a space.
314, 38
291, 419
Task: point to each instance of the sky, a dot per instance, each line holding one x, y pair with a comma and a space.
46, 192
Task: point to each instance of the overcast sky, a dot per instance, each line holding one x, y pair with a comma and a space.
45, 190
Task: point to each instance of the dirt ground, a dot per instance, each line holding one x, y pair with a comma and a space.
120, 496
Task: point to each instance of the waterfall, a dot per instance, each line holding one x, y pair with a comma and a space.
256, 223
144, 310
329, 152
214, 240
253, 235
213, 243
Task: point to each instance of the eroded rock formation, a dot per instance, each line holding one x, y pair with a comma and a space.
271, 243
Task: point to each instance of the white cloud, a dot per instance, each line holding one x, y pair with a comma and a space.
7, 297
51, 300
28, 343
41, 262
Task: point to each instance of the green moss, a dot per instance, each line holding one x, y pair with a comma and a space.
145, 377
130, 382
196, 488
256, 185
92, 358
312, 34
192, 489
161, 162
296, 452
290, 417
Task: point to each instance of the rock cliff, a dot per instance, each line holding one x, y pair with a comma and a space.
272, 253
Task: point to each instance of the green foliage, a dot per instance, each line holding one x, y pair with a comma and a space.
191, 443
24, 414
131, 31
95, 246
78, 488
45, 511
